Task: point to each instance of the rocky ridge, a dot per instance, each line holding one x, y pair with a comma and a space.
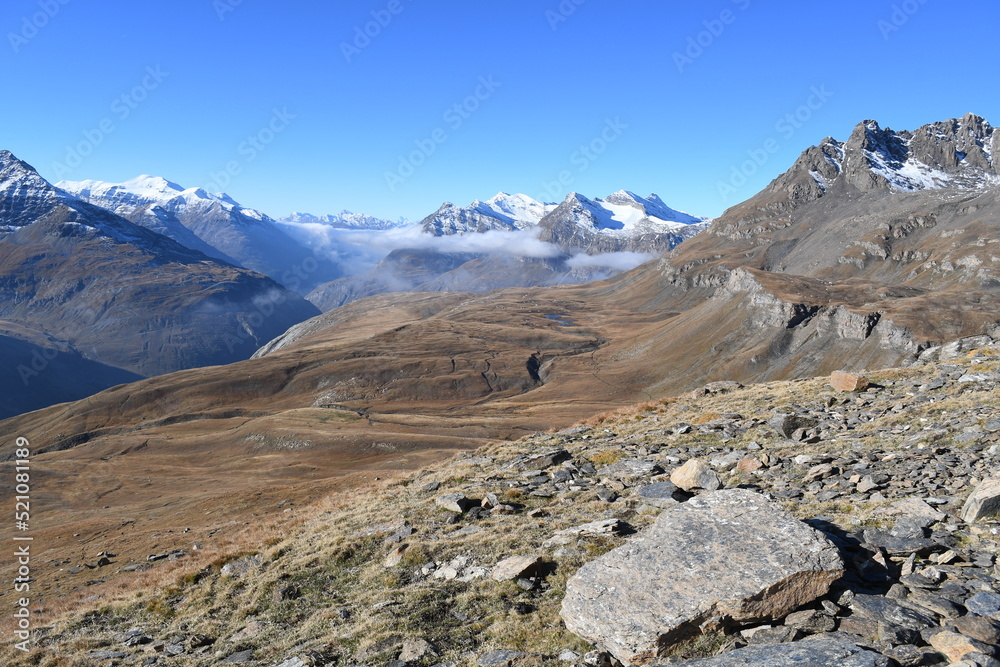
469, 562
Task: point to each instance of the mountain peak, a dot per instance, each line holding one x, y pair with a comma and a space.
955, 153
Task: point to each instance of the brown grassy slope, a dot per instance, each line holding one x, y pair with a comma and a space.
333, 558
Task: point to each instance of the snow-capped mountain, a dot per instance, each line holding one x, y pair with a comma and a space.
503, 212
525, 243
624, 218
215, 224
344, 220
622, 222
96, 287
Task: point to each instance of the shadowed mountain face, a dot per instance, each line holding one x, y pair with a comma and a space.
39, 371
120, 295
827, 268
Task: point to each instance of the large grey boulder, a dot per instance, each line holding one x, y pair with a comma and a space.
822, 652
723, 559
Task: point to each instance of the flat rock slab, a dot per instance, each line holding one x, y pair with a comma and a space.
516, 566
722, 559
825, 652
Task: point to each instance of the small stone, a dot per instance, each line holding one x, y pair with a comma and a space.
821, 471
499, 658
811, 652
844, 381
749, 464
695, 474
786, 424
907, 655
983, 502
395, 557
415, 650
977, 628
983, 604
878, 608
659, 494
238, 658
867, 484
516, 567
776, 635
956, 646
811, 621
455, 502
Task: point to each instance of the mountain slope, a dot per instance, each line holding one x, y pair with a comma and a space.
403, 577
900, 208
123, 295
214, 224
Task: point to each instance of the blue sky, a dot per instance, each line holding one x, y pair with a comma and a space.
291, 106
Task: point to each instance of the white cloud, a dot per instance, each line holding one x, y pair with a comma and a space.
616, 261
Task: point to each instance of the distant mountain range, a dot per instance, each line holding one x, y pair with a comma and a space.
214, 224
344, 220
579, 240
116, 281
88, 290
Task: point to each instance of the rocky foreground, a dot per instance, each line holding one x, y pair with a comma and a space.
842, 521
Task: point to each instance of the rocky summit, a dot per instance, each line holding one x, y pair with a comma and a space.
848, 528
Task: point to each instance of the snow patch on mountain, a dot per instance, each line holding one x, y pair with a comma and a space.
520, 211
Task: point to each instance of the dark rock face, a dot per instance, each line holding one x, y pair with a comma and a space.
123, 296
